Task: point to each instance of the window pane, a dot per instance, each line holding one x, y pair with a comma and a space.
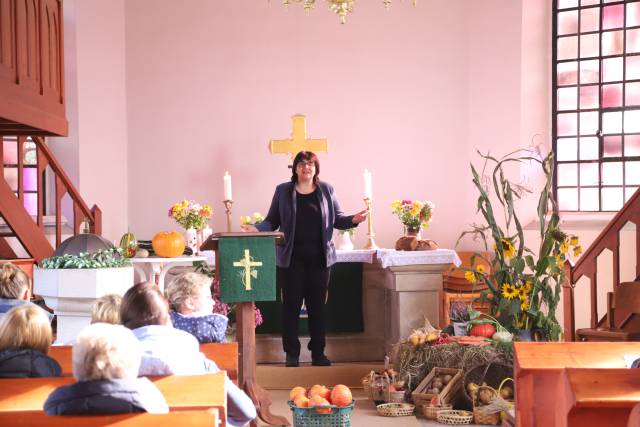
568, 22
568, 199
589, 46
589, 2
589, 97
30, 179
632, 145
612, 69
567, 149
10, 152
632, 94
612, 17
612, 122
612, 146
612, 198
589, 148
31, 203
633, 41
633, 68
632, 173
567, 174
632, 121
589, 123
589, 199
568, 73
568, 47
589, 19
563, 4
628, 192
589, 71
612, 173
568, 124
612, 95
567, 98
633, 14
11, 176
612, 43
589, 174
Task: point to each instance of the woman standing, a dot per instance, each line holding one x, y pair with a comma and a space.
306, 211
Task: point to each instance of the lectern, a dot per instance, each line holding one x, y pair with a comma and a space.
246, 271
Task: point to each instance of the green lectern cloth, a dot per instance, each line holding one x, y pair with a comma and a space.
247, 269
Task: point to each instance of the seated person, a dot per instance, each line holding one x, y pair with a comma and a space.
14, 289
106, 359
106, 309
190, 296
167, 351
25, 337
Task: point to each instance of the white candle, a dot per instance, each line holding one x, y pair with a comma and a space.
227, 186
368, 194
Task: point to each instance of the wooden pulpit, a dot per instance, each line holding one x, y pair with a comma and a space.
246, 271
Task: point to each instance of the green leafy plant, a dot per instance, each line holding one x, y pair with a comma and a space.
523, 291
104, 258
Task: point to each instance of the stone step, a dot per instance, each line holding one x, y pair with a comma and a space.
279, 377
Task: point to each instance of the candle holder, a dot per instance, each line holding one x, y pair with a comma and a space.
228, 204
370, 242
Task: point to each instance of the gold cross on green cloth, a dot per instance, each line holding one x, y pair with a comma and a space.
247, 263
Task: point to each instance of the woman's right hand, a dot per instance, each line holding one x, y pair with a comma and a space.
249, 228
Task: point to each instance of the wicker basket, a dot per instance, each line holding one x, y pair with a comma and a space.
431, 412
376, 386
448, 393
306, 417
395, 397
480, 416
395, 409
455, 417
493, 374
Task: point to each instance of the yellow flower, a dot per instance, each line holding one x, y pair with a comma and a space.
528, 286
396, 204
524, 306
470, 276
522, 293
480, 269
574, 241
185, 203
564, 247
509, 291
244, 219
507, 248
416, 208
560, 260
577, 251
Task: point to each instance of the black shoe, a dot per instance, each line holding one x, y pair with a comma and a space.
320, 361
292, 362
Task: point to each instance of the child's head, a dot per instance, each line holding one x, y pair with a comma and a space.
143, 305
104, 351
191, 293
14, 283
106, 309
25, 327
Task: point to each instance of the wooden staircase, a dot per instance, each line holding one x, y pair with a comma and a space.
624, 301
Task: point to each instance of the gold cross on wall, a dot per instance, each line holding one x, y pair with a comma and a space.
298, 141
246, 263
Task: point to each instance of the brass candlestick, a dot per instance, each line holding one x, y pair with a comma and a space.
227, 209
370, 243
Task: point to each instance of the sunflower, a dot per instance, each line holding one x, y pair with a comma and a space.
509, 291
564, 247
522, 293
470, 276
577, 251
481, 268
573, 241
528, 286
524, 306
559, 260
507, 248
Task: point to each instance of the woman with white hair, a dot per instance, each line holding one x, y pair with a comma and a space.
106, 359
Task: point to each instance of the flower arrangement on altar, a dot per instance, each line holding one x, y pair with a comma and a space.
257, 218
413, 214
190, 214
523, 291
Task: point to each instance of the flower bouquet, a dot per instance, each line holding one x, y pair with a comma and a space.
414, 214
190, 214
257, 218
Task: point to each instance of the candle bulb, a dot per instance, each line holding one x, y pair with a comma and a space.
227, 186
368, 194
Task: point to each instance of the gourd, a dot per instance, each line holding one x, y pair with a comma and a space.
168, 244
129, 245
485, 330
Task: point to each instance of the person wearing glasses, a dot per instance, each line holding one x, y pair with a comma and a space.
306, 210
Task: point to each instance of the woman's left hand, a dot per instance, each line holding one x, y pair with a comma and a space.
360, 216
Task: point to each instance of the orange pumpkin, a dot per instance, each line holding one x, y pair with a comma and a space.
168, 244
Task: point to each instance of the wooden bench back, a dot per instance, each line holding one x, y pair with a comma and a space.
224, 354
208, 418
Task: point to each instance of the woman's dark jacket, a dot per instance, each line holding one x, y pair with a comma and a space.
27, 363
120, 396
282, 215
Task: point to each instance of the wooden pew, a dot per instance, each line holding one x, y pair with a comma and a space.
196, 392
207, 418
224, 354
597, 397
634, 417
538, 369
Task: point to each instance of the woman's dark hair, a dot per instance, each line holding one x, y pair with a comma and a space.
306, 156
144, 305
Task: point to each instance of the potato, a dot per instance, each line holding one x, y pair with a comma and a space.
437, 384
506, 392
446, 379
434, 391
485, 396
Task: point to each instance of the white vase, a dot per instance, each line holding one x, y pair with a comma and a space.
191, 239
344, 242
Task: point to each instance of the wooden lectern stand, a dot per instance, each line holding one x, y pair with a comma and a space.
245, 268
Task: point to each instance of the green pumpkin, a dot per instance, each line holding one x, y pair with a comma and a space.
129, 245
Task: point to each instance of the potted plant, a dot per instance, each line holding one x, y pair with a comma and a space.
70, 283
459, 315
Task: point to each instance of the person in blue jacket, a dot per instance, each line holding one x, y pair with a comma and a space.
306, 210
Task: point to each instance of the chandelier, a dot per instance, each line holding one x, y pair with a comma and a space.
340, 7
